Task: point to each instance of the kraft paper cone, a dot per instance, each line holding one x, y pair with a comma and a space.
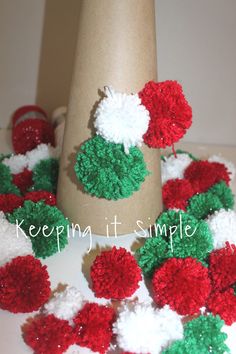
116, 46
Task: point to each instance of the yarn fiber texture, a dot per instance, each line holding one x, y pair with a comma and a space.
45, 175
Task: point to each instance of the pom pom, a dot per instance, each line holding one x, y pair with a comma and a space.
223, 227
228, 164
223, 304
170, 113
183, 284
173, 167
45, 175
115, 274
176, 193
65, 304
48, 335
204, 204
31, 132
24, 285
93, 327
202, 335
51, 227
9, 202
107, 172
23, 180
37, 196
142, 329
6, 186
224, 193
41, 152
13, 244
16, 163
121, 119
204, 174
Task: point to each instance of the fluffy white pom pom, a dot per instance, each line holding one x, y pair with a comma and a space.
65, 304
174, 167
41, 152
12, 244
228, 164
121, 119
230, 341
223, 227
142, 329
16, 163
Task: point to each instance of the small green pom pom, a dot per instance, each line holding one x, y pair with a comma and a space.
203, 204
45, 175
106, 171
224, 193
42, 215
6, 185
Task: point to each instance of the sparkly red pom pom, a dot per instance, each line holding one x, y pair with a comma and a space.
93, 327
46, 197
170, 113
176, 193
183, 284
9, 202
23, 180
223, 304
115, 274
24, 285
204, 174
49, 335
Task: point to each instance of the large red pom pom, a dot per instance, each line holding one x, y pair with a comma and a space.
9, 202
223, 304
204, 174
176, 193
23, 180
170, 113
49, 335
93, 327
24, 285
46, 197
115, 274
223, 267
183, 284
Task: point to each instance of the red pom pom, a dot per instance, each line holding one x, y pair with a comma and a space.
183, 284
45, 196
115, 274
223, 267
204, 174
31, 132
224, 305
23, 180
24, 285
93, 326
170, 113
49, 335
176, 193
9, 202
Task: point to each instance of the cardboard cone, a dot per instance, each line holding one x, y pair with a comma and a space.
116, 47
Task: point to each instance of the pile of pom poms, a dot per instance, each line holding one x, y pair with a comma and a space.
110, 165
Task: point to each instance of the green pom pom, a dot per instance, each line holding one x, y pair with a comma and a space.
106, 171
180, 244
224, 193
42, 215
202, 335
203, 204
45, 175
4, 156
6, 185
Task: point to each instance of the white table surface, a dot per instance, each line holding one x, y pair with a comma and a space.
72, 265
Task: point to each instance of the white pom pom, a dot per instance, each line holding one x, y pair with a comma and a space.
228, 164
230, 341
223, 227
12, 244
143, 329
16, 163
41, 152
66, 304
121, 119
174, 167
